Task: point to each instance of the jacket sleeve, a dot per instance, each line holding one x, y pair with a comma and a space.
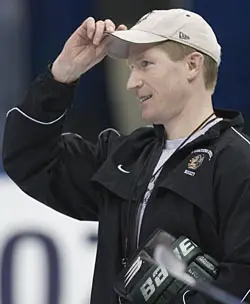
52, 167
232, 198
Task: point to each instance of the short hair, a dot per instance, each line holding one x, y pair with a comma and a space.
177, 51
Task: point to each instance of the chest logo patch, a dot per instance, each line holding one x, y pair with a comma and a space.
196, 161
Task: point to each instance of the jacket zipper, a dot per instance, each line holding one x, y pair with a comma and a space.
141, 211
142, 206
139, 216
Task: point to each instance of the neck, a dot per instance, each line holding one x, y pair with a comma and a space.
191, 117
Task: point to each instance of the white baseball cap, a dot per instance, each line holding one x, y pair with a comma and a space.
178, 25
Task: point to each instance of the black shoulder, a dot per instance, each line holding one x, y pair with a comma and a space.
112, 138
234, 152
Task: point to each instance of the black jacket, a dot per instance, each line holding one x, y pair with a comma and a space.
210, 205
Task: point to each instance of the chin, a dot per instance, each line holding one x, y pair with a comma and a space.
149, 118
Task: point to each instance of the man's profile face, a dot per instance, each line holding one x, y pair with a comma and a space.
159, 83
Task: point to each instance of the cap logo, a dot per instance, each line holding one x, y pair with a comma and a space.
183, 36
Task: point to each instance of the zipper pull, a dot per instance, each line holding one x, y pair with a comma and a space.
124, 262
124, 259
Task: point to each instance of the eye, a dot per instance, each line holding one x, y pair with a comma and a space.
145, 63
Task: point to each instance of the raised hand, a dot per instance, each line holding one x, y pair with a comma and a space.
85, 48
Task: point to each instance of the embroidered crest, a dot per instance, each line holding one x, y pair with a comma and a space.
196, 161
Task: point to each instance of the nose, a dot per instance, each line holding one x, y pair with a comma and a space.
134, 81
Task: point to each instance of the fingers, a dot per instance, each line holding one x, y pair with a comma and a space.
109, 25
122, 27
96, 29
99, 30
90, 27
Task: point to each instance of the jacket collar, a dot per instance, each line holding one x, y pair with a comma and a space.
230, 119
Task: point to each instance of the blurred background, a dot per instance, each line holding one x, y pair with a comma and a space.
32, 35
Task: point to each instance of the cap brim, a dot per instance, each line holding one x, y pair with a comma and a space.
119, 42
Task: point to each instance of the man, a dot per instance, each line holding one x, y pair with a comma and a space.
189, 174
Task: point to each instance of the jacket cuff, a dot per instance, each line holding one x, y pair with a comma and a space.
47, 99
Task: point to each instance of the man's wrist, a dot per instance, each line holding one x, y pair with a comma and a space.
63, 72
72, 83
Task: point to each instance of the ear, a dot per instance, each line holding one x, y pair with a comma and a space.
195, 62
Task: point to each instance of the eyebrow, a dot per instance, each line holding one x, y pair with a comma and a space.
136, 59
